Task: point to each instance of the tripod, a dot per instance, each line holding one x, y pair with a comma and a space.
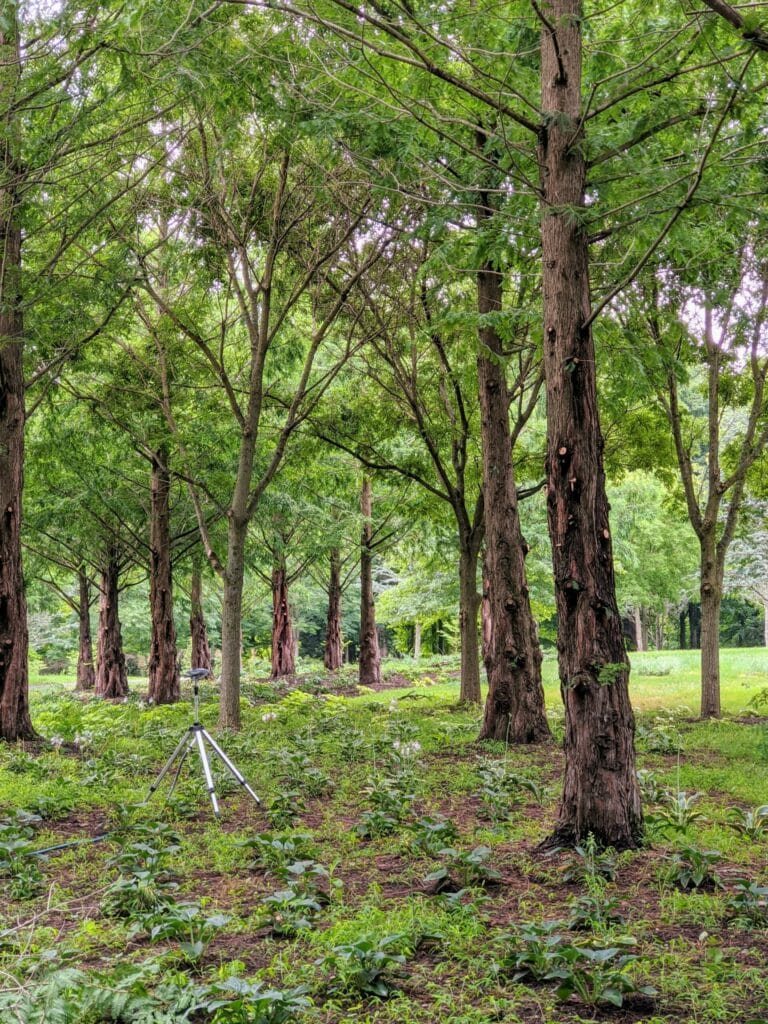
197, 735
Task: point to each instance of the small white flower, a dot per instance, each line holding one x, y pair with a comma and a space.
57, 742
393, 704
269, 716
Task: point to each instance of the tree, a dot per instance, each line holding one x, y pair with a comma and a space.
514, 709
15, 723
709, 341
370, 657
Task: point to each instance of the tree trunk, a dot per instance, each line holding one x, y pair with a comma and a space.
111, 677
15, 722
86, 674
600, 792
640, 641
765, 623
417, 640
711, 599
164, 685
469, 604
370, 658
334, 647
201, 651
231, 618
486, 622
694, 622
681, 622
283, 663
514, 709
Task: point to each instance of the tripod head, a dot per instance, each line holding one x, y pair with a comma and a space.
196, 674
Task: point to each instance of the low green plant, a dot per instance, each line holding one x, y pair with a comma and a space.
289, 912
502, 789
18, 860
136, 894
752, 824
540, 953
589, 861
748, 905
186, 923
597, 975
365, 967
678, 812
694, 868
432, 834
285, 807
532, 952
651, 789
237, 1001
274, 851
463, 869
594, 911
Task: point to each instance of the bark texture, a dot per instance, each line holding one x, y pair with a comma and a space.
231, 619
469, 605
15, 722
86, 672
334, 647
164, 684
111, 676
370, 658
600, 793
641, 641
712, 573
514, 709
201, 650
283, 648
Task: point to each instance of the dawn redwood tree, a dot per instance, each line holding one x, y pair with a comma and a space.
514, 709
201, 649
333, 654
728, 350
111, 675
86, 672
600, 793
283, 648
15, 722
164, 683
370, 656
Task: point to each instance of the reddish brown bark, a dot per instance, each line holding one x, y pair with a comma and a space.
600, 792
164, 684
514, 709
711, 591
201, 650
486, 624
111, 677
283, 650
469, 605
334, 647
370, 658
86, 673
15, 722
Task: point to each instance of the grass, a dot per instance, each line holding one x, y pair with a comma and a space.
66, 959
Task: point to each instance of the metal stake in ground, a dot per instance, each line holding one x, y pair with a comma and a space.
198, 736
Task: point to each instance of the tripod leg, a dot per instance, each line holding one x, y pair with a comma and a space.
186, 739
180, 765
207, 770
229, 765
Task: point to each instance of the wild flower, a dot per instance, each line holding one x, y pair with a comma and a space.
406, 748
269, 716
